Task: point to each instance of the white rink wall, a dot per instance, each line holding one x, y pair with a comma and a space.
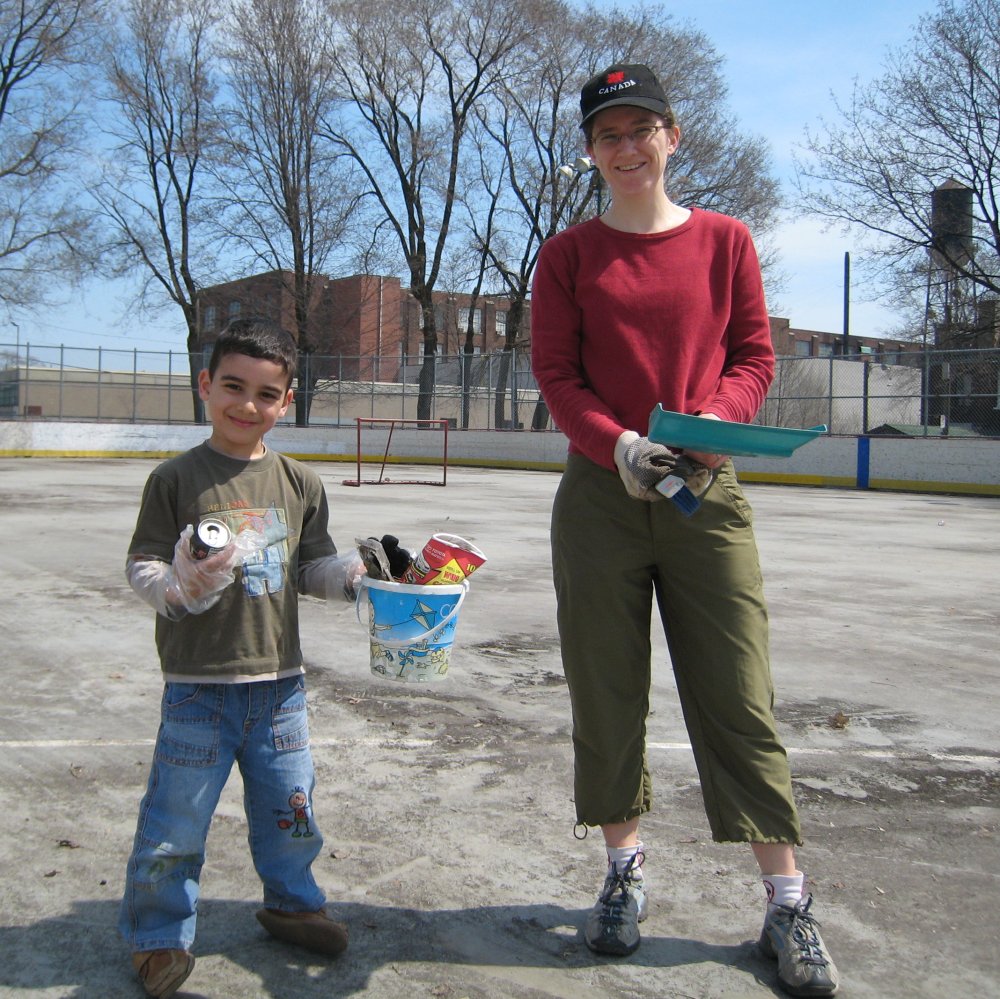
959, 465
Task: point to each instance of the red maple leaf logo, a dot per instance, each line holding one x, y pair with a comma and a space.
616, 77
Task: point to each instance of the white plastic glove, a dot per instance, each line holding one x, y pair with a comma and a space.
189, 585
642, 464
332, 576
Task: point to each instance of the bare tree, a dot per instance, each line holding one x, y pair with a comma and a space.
42, 229
288, 197
531, 132
717, 166
151, 196
535, 130
930, 120
413, 75
473, 259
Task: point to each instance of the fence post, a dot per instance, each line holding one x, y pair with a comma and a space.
27, 379
829, 401
866, 375
926, 387
514, 421
62, 376
310, 398
490, 389
340, 385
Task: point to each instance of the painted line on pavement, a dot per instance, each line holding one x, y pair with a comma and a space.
871, 754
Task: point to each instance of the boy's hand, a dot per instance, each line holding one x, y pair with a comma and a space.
198, 583
187, 585
332, 577
355, 570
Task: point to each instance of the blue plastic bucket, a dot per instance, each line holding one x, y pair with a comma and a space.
410, 627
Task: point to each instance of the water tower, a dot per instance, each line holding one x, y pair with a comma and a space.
951, 225
951, 250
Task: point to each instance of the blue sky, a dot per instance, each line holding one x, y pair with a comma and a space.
782, 60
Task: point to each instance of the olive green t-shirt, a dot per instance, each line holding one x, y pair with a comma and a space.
252, 633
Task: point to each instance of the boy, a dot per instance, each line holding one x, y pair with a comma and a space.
228, 639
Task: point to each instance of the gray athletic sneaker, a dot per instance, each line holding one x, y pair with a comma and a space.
613, 924
805, 967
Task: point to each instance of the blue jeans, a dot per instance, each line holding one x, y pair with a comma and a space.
204, 729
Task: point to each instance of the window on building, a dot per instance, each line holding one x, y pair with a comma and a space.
803, 348
501, 325
209, 317
824, 349
234, 309
477, 321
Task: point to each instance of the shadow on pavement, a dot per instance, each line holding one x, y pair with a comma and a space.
81, 952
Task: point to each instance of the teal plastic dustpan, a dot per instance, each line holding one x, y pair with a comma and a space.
722, 437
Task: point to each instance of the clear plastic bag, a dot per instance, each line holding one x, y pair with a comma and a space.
189, 585
333, 576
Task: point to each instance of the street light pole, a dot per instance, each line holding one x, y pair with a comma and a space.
580, 166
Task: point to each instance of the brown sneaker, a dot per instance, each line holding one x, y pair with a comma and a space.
315, 931
162, 972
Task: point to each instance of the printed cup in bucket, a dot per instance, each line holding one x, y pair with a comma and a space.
411, 627
445, 559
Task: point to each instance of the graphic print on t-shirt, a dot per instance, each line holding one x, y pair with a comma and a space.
264, 570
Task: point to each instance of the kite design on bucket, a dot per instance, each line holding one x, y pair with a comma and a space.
436, 657
424, 616
411, 627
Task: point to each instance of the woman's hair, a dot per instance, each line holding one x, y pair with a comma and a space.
258, 338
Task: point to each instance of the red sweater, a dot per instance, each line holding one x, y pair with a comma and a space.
623, 321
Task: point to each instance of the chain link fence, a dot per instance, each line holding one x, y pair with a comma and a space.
918, 393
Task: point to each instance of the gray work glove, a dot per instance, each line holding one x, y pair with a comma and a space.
642, 465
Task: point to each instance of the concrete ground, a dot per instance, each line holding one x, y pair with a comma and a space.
447, 807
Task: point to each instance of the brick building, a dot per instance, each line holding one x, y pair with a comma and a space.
365, 326
792, 342
362, 327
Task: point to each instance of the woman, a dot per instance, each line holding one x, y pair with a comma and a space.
655, 303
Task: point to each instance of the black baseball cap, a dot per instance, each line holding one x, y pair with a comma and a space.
623, 83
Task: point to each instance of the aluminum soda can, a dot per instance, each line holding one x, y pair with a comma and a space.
210, 537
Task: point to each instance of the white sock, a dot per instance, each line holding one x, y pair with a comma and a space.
621, 855
783, 889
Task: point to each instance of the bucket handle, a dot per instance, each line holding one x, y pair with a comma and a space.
414, 639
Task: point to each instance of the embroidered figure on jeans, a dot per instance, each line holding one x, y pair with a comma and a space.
299, 812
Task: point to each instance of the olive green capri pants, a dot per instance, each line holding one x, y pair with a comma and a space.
611, 555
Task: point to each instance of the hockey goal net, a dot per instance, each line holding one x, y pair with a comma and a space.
418, 442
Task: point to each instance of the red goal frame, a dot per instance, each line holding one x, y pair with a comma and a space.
392, 423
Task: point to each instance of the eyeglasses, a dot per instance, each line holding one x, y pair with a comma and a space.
640, 136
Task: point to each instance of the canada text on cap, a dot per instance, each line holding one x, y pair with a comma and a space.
630, 84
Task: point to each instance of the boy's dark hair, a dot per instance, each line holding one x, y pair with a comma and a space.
256, 338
